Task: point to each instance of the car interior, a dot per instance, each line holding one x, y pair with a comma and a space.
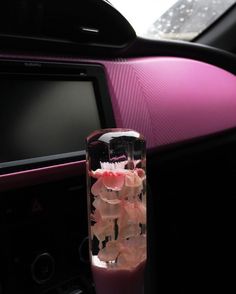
68, 68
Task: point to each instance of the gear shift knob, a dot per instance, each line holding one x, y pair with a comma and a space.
116, 187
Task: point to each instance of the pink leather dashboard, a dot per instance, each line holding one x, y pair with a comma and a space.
167, 99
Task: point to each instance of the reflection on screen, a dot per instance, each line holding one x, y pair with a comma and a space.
42, 118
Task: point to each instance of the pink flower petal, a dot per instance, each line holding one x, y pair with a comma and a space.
128, 260
97, 187
131, 211
102, 229
141, 212
129, 230
110, 252
141, 173
130, 193
106, 210
110, 197
96, 217
96, 174
133, 180
113, 180
133, 252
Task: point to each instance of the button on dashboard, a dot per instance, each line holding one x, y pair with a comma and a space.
43, 268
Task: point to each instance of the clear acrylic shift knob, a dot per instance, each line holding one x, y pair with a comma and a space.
116, 187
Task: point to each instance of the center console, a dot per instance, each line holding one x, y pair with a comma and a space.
43, 239
47, 110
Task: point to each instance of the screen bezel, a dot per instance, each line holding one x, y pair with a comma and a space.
30, 69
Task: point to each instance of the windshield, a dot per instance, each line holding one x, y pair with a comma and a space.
171, 19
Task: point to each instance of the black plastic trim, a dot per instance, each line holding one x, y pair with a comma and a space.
221, 34
140, 47
61, 22
144, 47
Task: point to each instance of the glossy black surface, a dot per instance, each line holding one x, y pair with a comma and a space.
82, 22
50, 220
47, 109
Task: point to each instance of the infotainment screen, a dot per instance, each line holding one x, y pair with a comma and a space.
47, 110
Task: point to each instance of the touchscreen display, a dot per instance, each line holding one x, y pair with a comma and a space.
41, 118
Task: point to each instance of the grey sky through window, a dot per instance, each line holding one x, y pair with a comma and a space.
171, 19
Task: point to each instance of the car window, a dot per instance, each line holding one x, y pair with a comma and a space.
171, 19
